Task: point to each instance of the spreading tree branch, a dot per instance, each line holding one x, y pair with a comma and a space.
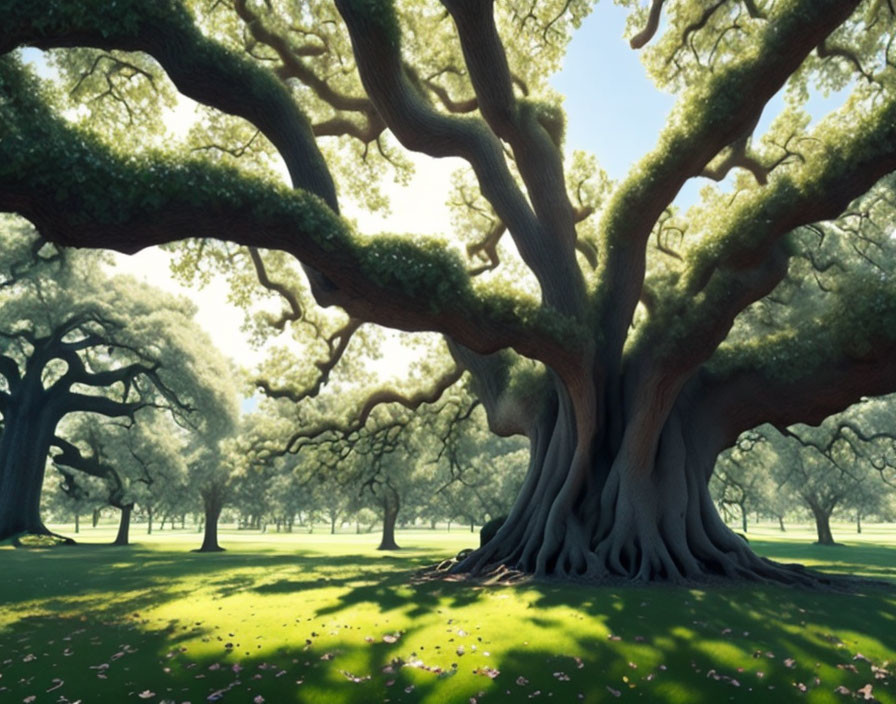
377, 398
653, 22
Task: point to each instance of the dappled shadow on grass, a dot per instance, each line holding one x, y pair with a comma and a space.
568, 644
90, 569
732, 643
305, 627
863, 559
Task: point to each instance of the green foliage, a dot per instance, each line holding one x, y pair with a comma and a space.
117, 322
550, 116
426, 270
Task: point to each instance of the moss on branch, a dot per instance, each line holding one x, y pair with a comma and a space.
380, 15
848, 159
79, 191
201, 68
862, 318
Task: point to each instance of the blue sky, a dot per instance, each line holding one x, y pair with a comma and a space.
613, 109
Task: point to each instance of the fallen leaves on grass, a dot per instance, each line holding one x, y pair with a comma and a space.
490, 672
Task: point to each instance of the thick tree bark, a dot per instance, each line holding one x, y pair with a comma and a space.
391, 505
24, 445
628, 505
213, 504
124, 525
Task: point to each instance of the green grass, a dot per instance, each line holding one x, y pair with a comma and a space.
320, 618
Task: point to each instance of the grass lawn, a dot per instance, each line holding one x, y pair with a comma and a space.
320, 618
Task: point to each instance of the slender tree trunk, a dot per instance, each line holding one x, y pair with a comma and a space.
96, 517
124, 525
449, 525
743, 518
149, 520
391, 505
213, 503
472, 527
78, 523
781, 524
858, 521
822, 525
332, 524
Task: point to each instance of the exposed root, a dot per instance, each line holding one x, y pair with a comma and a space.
731, 572
628, 563
444, 571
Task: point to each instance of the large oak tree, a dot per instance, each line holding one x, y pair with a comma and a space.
631, 366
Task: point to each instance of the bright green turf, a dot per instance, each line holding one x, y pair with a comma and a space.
320, 618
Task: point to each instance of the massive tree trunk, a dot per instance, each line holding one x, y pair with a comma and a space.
213, 503
124, 525
622, 500
24, 445
391, 505
617, 483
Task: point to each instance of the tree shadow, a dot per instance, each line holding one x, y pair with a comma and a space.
359, 631
660, 645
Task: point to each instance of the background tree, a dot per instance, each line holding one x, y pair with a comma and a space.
816, 467
478, 474
744, 477
75, 341
616, 332
64, 499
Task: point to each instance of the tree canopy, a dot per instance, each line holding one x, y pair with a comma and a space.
75, 341
629, 339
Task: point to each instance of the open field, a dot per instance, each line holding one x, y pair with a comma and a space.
320, 618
